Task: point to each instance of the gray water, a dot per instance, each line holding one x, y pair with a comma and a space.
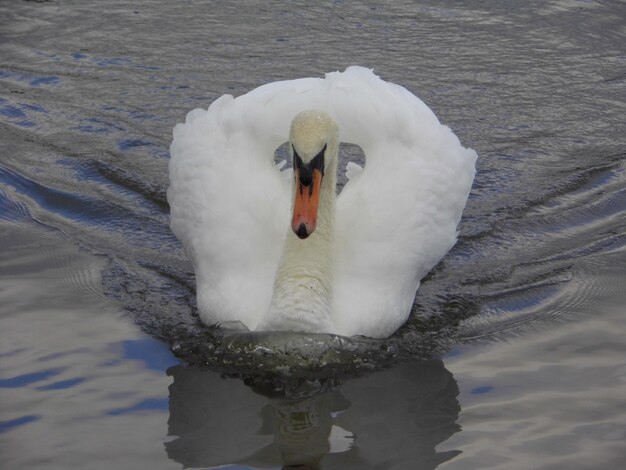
514, 354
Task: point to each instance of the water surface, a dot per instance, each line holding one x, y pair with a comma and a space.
513, 357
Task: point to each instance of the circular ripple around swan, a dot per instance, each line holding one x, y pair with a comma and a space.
579, 259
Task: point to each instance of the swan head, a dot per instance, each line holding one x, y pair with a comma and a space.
314, 141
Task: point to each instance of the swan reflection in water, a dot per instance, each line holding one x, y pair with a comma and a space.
398, 415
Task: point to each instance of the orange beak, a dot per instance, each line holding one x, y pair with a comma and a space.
305, 204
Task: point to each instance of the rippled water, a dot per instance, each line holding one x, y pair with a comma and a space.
527, 309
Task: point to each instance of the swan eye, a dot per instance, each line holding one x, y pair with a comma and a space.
318, 162
297, 161
306, 170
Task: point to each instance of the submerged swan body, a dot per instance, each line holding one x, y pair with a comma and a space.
278, 250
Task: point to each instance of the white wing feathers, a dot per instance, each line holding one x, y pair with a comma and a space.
398, 217
230, 208
395, 221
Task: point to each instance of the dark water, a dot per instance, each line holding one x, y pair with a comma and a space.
514, 357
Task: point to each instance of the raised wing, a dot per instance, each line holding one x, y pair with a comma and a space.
230, 208
398, 216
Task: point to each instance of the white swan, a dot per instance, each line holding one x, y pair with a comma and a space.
357, 271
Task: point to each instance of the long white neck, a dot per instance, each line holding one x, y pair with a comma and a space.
301, 300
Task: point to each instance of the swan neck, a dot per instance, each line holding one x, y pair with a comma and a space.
302, 288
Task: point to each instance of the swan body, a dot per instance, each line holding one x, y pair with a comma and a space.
355, 269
